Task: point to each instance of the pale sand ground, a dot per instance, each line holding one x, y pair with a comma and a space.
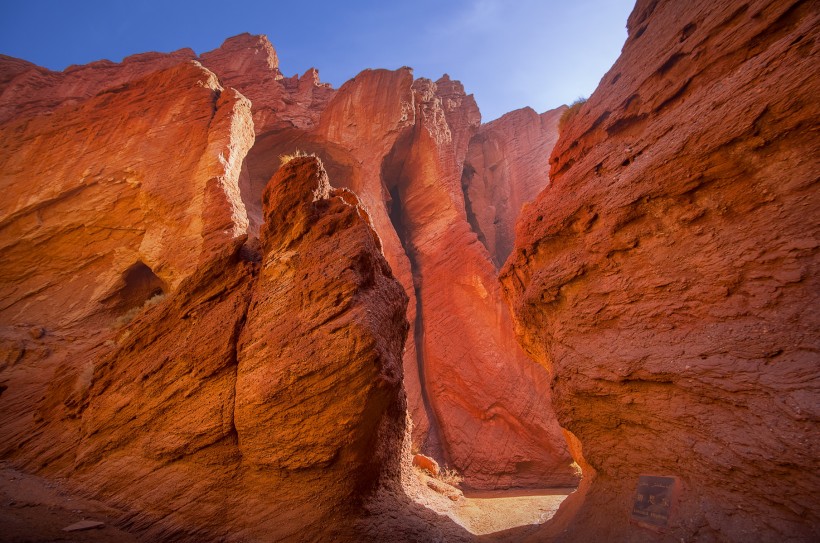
486, 512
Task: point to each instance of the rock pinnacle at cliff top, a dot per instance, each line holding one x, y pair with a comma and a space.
539, 53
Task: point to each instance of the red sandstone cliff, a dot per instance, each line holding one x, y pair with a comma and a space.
111, 215
486, 402
230, 386
384, 136
507, 165
364, 132
669, 276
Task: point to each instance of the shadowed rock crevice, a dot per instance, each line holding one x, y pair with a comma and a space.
466, 176
391, 176
138, 285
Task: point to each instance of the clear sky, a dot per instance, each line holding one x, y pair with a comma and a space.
509, 53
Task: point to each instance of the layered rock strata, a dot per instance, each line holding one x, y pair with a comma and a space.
477, 403
669, 276
173, 416
507, 165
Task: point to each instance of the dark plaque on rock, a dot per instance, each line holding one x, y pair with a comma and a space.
653, 501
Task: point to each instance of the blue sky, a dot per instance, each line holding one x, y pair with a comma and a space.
510, 54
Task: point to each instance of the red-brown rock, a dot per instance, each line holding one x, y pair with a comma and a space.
381, 134
95, 237
426, 463
669, 276
249, 64
152, 238
486, 401
27, 89
255, 402
507, 165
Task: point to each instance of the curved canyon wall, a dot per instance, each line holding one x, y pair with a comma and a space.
669, 276
168, 312
477, 402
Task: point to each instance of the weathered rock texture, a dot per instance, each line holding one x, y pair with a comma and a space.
400, 145
669, 276
257, 401
477, 402
507, 165
484, 399
26, 88
130, 191
115, 200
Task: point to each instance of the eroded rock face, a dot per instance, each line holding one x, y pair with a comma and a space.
668, 277
320, 366
477, 403
400, 144
258, 400
27, 89
95, 237
485, 400
507, 165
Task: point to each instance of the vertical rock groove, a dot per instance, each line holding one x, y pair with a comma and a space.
432, 444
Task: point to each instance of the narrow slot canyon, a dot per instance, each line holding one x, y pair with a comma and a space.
237, 306
527, 480
479, 408
431, 444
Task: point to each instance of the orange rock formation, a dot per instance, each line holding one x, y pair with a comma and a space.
506, 167
387, 137
382, 135
213, 414
669, 276
215, 344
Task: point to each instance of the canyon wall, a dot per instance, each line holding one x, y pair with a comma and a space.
668, 277
477, 403
507, 165
169, 310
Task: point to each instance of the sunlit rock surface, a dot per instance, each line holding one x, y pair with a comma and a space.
507, 165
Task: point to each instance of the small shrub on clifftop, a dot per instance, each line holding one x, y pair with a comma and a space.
571, 112
284, 159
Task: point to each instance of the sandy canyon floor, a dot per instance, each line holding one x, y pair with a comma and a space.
37, 510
